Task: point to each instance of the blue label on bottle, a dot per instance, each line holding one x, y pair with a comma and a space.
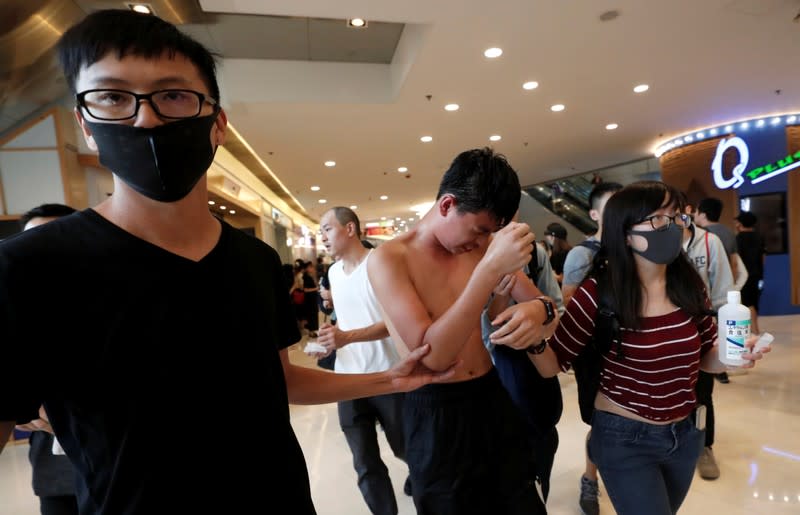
736, 332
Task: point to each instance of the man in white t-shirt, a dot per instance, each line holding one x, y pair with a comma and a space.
358, 319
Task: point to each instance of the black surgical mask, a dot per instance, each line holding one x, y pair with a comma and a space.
162, 163
663, 247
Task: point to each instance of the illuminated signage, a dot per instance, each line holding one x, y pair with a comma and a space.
756, 175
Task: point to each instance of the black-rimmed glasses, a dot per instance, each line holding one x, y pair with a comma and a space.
118, 104
662, 222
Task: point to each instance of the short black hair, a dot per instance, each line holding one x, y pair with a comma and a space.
126, 32
712, 207
600, 190
747, 219
45, 211
556, 230
482, 180
345, 215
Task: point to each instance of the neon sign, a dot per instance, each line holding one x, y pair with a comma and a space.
756, 175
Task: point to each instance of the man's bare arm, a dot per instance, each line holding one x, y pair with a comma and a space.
306, 385
332, 337
6, 430
447, 335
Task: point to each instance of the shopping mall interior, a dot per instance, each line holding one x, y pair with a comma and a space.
365, 104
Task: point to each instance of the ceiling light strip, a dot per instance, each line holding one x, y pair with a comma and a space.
757, 123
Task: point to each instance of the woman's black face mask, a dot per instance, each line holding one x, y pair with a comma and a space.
663, 247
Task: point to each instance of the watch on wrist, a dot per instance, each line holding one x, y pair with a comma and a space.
549, 310
537, 348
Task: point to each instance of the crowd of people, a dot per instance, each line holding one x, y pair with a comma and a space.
450, 336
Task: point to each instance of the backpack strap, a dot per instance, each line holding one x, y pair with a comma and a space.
708, 254
592, 245
533, 265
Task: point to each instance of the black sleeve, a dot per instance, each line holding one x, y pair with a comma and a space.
285, 321
17, 402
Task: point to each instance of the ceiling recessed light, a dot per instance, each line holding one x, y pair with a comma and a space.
322, 201
402, 169
530, 85
141, 8
557, 107
426, 139
495, 137
223, 208
314, 188
232, 211
493, 52
451, 107
211, 202
357, 23
641, 88
384, 197
411, 219
353, 207
611, 126
330, 164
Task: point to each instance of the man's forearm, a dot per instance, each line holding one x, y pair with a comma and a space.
6, 430
377, 331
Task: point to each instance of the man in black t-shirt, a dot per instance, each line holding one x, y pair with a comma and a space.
156, 353
752, 251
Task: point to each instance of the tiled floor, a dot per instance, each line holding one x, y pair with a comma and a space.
758, 448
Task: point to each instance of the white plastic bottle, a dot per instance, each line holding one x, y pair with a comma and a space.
734, 328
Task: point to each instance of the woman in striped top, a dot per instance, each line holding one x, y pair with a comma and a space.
643, 439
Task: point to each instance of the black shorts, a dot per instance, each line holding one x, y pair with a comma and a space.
468, 451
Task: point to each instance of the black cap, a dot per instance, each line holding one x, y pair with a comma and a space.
747, 219
557, 230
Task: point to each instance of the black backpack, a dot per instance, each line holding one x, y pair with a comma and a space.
589, 364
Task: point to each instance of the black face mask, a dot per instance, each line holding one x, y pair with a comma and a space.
663, 247
162, 163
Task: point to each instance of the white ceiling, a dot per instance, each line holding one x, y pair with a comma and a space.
707, 62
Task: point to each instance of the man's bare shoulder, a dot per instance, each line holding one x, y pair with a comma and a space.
394, 249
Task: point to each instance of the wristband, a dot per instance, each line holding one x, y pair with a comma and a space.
537, 348
549, 309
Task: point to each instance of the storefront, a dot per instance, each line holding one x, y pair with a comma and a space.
751, 165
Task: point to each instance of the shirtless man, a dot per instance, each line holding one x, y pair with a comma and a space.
466, 443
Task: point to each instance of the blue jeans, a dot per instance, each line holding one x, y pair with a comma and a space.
646, 468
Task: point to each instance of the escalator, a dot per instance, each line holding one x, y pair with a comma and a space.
567, 199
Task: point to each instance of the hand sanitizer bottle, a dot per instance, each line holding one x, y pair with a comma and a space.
733, 320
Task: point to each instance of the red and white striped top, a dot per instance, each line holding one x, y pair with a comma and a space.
656, 375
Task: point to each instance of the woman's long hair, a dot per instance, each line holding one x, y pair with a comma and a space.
614, 265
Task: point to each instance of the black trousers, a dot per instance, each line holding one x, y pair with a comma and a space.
468, 450
704, 390
357, 419
59, 505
